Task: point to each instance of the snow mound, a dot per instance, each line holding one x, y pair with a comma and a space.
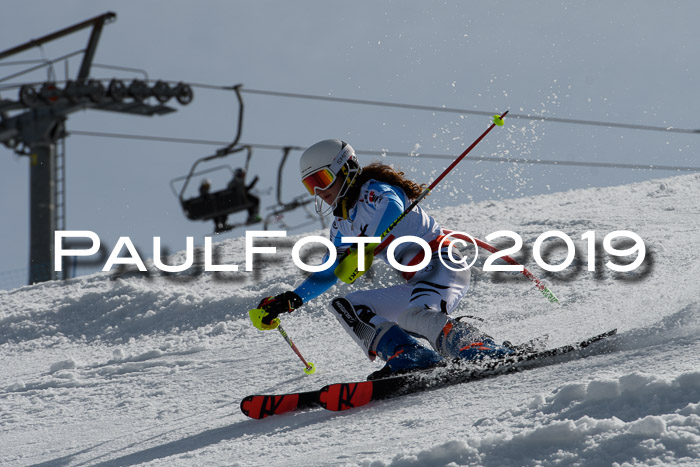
633, 419
127, 369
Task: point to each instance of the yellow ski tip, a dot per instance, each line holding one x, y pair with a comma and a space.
497, 120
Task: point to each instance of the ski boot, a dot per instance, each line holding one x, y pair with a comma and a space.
401, 352
463, 342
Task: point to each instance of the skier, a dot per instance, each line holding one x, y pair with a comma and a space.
365, 201
244, 196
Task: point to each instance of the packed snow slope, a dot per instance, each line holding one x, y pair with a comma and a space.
136, 369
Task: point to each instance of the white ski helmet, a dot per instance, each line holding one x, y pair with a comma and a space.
323, 164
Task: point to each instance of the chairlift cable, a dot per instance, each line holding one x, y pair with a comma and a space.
668, 129
607, 165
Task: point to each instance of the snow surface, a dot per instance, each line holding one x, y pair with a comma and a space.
140, 369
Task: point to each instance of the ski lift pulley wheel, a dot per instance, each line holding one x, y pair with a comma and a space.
95, 90
138, 90
117, 90
183, 93
162, 92
49, 92
72, 91
28, 95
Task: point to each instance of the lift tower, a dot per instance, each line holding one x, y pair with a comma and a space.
38, 124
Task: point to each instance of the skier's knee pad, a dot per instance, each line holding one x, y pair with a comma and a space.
424, 322
355, 319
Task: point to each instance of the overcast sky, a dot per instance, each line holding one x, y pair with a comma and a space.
625, 61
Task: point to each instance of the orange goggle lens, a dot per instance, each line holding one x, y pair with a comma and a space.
320, 179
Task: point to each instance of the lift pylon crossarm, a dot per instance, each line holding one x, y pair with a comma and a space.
40, 126
98, 20
92, 93
91, 48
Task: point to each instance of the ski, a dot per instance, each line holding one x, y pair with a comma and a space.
344, 396
261, 406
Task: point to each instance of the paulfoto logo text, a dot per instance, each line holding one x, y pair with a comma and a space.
464, 259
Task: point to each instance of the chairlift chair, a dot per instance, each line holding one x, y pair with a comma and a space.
301, 201
217, 205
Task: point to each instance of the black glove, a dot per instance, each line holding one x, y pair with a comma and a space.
283, 303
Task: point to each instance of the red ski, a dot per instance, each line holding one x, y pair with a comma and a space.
344, 396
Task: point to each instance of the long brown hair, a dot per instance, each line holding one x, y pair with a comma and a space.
385, 173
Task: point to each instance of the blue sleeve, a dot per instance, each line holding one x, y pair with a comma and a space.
393, 207
387, 209
319, 282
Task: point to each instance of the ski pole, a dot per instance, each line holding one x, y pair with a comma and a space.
538, 284
497, 120
385, 239
310, 368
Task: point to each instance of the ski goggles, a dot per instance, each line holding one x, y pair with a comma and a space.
322, 179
